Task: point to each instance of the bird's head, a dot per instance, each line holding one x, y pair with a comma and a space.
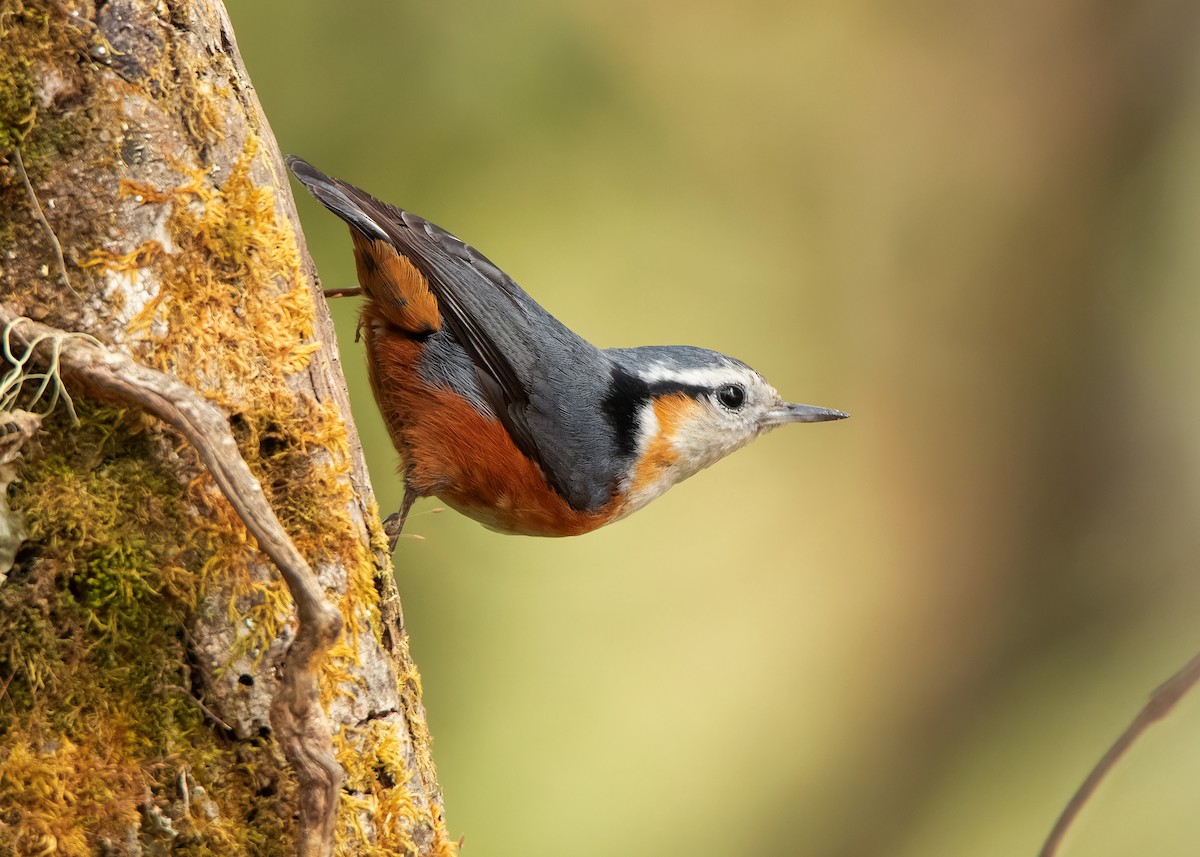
686, 408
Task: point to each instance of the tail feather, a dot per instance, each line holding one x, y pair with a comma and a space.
331, 193
398, 292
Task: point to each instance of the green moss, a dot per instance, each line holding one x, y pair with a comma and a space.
19, 32
43, 58
16, 99
16, 84
93, 654
33, 37
97, 710
57, 137
224, 238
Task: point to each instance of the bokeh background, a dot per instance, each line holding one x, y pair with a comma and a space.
975, 226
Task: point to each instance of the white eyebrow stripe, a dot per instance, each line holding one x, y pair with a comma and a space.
704, 376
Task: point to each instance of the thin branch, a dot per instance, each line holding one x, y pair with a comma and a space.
41, 218
208, 712
1165, 698
299, 721
347, 292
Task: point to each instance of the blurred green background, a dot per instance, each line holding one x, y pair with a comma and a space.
974, 226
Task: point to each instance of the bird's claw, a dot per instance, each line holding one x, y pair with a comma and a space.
392, 525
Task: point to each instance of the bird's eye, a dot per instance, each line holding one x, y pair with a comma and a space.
731, 396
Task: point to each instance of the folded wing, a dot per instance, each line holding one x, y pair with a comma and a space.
534, 371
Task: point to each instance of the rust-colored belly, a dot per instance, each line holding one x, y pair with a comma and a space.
463, 457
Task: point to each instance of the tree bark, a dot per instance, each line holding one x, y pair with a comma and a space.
147, 700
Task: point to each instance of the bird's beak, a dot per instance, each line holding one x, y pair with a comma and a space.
792, 413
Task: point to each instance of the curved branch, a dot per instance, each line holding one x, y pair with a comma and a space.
300, 723
1164, 698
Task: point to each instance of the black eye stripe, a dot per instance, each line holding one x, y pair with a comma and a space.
731, 396
626, 395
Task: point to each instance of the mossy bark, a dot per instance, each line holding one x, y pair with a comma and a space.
140, 628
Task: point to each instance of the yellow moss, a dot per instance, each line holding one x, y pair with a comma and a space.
374, 762
224, 238
140, 257
142, 192
232, 318
60, 796
95, 708
95, 704
200, 97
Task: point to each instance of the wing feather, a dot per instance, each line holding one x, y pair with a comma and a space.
519, 350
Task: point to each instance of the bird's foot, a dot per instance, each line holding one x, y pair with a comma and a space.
393, 524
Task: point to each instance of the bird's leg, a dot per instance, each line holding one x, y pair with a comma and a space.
393, 524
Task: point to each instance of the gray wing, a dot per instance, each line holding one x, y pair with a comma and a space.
544, 382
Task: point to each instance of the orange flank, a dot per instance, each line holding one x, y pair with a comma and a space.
453, 452
399, 290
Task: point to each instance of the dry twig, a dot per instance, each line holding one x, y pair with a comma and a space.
1164, 698
205, 710
299, 721
41, 218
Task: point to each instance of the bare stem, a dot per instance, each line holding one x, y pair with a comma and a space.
41, 218
1164, 698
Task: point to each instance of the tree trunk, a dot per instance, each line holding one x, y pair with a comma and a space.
144, 637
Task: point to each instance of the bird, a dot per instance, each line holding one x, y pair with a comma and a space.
505, 414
